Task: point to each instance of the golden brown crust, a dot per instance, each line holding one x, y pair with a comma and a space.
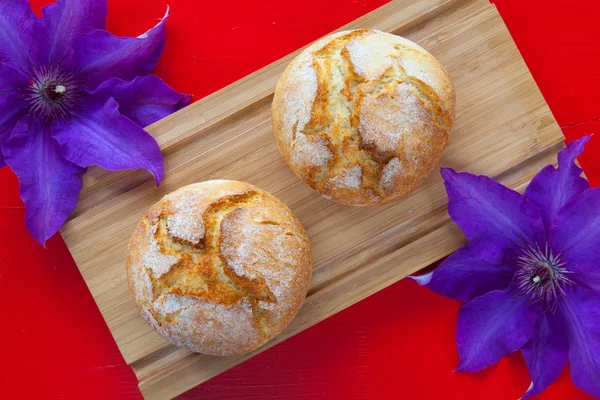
219, 267
363, 116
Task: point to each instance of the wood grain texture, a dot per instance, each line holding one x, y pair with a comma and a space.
503, 129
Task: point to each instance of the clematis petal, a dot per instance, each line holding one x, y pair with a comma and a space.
546, 352
102, 55
144, 100
49, 184
17, 46
12, 108
493, 217
11, 80
552, 188
492, 326
462, 276
581, 309
64, 21
575, 233
101, 136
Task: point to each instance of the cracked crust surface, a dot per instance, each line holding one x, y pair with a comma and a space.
219, 267
363, 116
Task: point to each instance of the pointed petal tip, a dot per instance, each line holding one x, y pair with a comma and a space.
530, 392
186, 99
457, 369
461, 367
40, 233
102, 55
464, 367
41, 239
158, 176
583, 139
161, 22
578, 145
166, 15
447, 173
422, 280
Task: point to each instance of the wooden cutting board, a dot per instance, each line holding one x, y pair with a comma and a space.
503, 129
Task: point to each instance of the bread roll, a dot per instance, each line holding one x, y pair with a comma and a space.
219, 267
363, 116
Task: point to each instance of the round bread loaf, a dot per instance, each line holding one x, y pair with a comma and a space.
363, 116
219, 267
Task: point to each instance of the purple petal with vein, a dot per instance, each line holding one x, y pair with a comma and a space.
12, 108
494, 218
64, 21
101, 136
553, 187
12, 104
11, 80
49, 185
581, 309
144, 100
575, 232
17, 46
490, 327
462, 276
545, 353
102, 55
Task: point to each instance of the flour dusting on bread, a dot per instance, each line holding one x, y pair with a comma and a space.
299, 101
310, 151
392, 169
154, 259
261, 247
183, 223
349, 179
387, 126
372, 54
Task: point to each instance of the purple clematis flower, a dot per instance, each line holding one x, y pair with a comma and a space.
73, 95
530, 274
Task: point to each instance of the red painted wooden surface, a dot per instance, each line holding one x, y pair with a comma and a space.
398, 343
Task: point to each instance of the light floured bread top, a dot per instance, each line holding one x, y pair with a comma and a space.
363, 116
219, 267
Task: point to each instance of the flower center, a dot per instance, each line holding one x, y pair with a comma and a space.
541, 275
54, 92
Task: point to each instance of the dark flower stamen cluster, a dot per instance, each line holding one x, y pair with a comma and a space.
541, 275
54, 92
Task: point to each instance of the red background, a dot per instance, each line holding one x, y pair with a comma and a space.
398, 343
